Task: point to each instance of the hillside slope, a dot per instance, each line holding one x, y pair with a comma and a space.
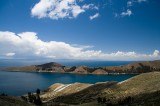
58, 89
13, 101
144, 87
144, 83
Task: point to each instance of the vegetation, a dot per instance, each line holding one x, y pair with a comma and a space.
142, 90
34, 98
13, 101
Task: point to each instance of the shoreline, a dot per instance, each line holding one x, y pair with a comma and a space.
53, 67
73, 73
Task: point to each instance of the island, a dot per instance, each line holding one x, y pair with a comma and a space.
133, 68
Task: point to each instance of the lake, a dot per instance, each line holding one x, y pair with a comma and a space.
17, 63
19, 83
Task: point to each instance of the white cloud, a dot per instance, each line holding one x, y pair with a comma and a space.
129, 3
90, 6
27, 44
156, 53
127, 13
141, 1
56, 9
59, 9
94, 16
10, 54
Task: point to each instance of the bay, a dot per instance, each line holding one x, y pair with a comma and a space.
19, 83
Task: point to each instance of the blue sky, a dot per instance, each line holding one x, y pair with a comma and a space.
80, 29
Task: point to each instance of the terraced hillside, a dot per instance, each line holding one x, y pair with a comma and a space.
144, 87
143, 84
58, 89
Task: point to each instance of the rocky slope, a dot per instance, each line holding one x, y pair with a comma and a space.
138, 67
58, 89
144, 90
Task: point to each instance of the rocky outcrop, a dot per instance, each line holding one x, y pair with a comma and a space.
81, 70
99, 71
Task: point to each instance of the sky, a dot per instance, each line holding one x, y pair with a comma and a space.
80, 29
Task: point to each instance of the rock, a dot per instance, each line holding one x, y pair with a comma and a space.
99, 71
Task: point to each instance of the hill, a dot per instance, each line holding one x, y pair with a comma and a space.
13, 101
138, 86
144, 90
137, 67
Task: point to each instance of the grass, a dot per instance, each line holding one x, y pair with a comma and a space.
143, 87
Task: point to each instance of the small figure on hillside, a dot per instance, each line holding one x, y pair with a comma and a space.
29, 96
38, 91
35, 98
99, 100
38, 99
104, 100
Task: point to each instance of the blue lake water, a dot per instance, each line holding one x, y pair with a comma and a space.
19, 83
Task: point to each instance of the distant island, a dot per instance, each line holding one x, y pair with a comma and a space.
133, 68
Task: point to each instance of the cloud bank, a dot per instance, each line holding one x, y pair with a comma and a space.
28, 45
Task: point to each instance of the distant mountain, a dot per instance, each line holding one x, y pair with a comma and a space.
137, 67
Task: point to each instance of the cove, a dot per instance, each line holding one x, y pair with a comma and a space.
19, 83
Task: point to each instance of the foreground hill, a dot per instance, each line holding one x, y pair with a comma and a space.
144, 90
13, 101
137, 67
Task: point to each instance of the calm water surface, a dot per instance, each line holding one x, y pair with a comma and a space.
19, 83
